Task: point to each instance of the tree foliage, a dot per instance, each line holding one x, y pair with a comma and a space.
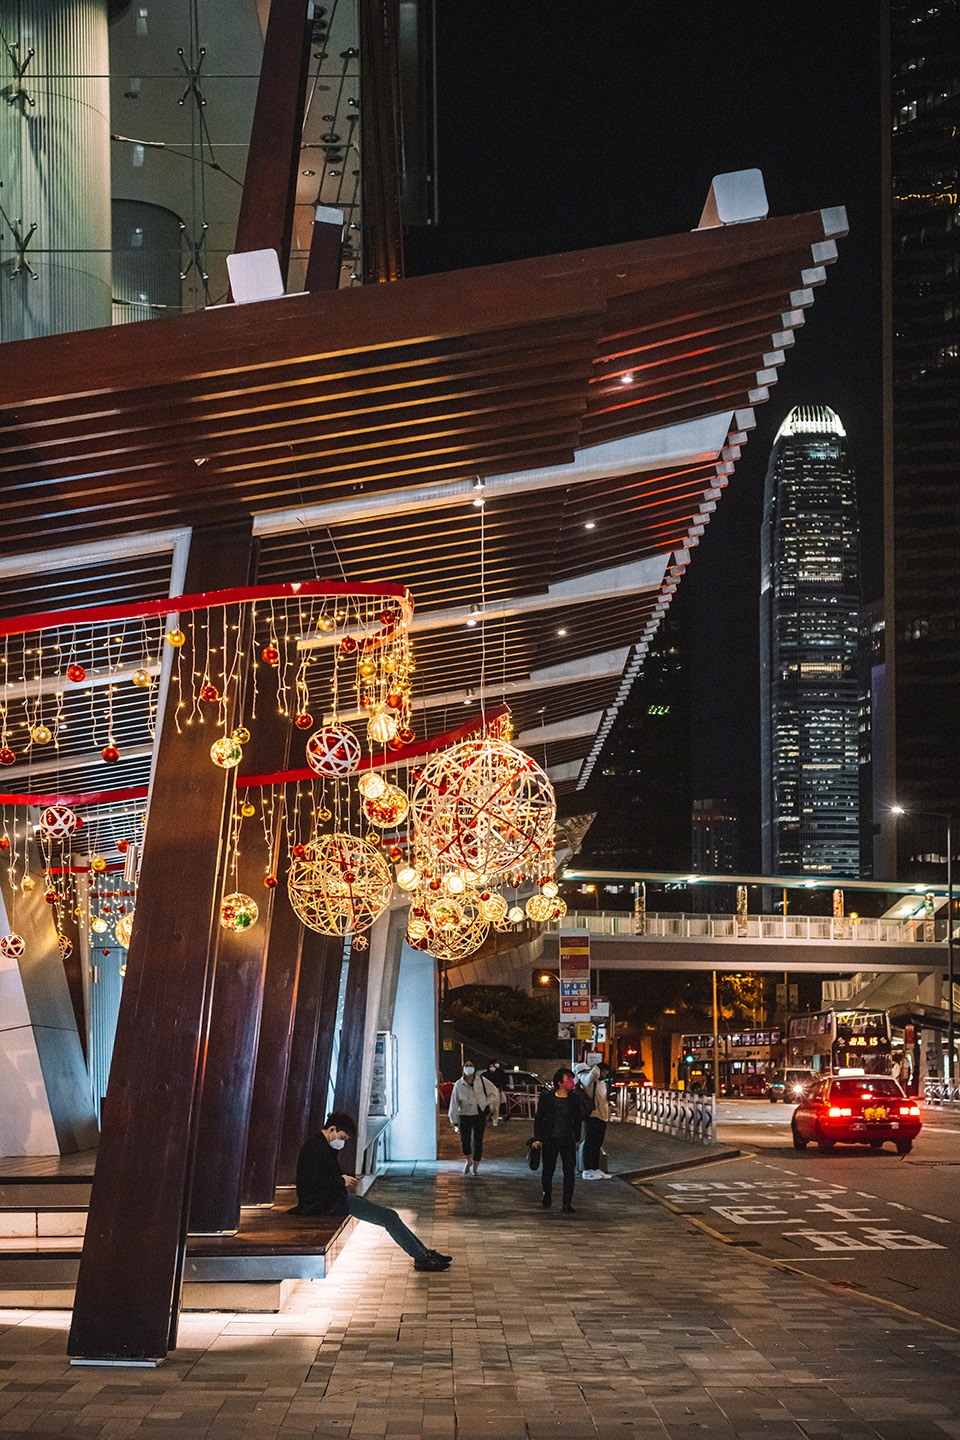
505, 1020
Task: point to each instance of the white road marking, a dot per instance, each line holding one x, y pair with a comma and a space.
939, 1218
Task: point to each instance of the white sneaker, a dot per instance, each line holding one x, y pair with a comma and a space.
592, 1175
603, 1175
466, 1168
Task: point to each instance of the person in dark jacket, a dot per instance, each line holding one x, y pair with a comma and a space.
322, 1190
555, 1129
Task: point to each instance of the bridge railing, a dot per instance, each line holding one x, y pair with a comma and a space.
679, 1113
682, 926
942, 1092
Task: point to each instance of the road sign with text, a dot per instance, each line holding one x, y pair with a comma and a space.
574, 975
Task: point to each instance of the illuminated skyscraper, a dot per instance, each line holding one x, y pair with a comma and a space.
809, 615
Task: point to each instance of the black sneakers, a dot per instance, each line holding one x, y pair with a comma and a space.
438, 1256
431, 1261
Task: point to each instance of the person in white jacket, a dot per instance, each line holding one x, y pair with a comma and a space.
472, 1101
592, 1079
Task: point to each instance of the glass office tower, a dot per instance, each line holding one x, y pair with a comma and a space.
809, 620
922, 501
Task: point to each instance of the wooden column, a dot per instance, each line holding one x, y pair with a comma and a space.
230, 1065
350, 1063
132, 1258
320, 964
273, 1048
320, 1087
270, 180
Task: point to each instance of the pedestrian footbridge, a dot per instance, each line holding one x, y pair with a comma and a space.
816, 943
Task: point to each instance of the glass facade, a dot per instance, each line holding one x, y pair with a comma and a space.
923, 501
809, 622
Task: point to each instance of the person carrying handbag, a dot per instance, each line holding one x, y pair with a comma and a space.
472, 1101
556, 1129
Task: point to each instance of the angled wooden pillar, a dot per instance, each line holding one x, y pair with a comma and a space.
231, 1056
132, 1258
350, 1062
273, 1048
320, 964
270, 180
326, 1034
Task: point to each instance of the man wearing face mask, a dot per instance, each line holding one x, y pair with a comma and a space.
556, 1130
472, 1101
322, 1190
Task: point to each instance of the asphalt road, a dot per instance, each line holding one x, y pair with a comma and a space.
866, 1220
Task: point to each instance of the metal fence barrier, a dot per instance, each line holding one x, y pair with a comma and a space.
680, 1113
941, 1092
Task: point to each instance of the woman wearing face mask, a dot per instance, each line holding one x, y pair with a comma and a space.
556, 1129
472, 1101
322, 1190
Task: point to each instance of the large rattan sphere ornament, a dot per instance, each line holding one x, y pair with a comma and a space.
123, 929
558, 908
342, 884
494, 908
539, 909
12, 946
226, 753
57, 822
483, 805
388, 808
238, 912
334, 750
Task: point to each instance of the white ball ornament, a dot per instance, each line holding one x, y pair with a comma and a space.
58, 822
333, 751
12, 946
124, 929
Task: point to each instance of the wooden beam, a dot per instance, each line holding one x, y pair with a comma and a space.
230, 1063
326, 243
132, 1258
350, 1060
270, 180
380, 141
320, 963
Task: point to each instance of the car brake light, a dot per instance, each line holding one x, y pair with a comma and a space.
909, 1109
835, 1111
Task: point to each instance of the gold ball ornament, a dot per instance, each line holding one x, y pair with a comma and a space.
99, 925
226, 753
41, 735
98, 864
241, 734
371, 785
27, 884
124, 929
388, 808
142, 679
367, 667
494, 909
246, 809
176, 638
483, 806
382, 726
340, 885
539, 909
238, 912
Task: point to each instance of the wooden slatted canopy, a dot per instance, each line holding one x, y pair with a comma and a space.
334, 404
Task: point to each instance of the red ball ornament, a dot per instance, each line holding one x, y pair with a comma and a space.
123, 846
4, 843
76, 673
50, 896
395, 744
395, 699
396, 854
434, 884
304, 720
406, 736
106, 952
7, 756
79, 822
271, 655
110, 754
389, 617
209, 693
298, 852
270, 881
347, 645
350, 877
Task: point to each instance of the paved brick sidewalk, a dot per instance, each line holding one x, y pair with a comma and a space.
618, 1323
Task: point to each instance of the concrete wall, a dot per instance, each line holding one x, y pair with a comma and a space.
413, 1133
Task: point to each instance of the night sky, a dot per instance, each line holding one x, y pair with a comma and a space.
563, 126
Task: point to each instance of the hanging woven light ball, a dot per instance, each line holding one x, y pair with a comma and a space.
65, 947
142, 679
539, 909
226, 753
57, 822
558, 908
12, 946
342, 884
549, 888
124, 929
454, 883
483, 805
382, 726
515, 915
493, 908
99, 925
334, 751
238, 912
408, 877
76, 673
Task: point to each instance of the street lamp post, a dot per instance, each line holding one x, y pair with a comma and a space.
946, 815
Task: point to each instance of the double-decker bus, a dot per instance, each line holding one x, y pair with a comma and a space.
747, 1058
832, 1040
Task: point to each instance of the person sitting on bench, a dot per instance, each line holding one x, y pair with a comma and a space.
322, 1190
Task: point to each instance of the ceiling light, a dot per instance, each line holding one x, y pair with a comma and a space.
561, 632
590, 525
478, 494
627, 378
474, 616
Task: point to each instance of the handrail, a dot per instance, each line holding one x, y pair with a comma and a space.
680, 1113
730, 928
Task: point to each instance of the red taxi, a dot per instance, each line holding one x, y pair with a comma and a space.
856, 1109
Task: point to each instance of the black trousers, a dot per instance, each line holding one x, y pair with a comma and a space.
471, 1134
593, 1142
567, 1151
